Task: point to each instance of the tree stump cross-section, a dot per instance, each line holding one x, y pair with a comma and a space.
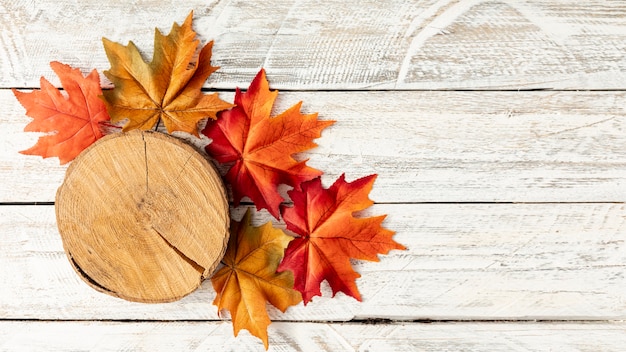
143, 216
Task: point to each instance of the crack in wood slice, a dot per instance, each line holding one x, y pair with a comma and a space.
191, 262
143, 216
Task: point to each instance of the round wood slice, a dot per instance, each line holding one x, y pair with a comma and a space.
143, 216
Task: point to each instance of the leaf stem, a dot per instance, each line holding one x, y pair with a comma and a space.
156, 126
110, 125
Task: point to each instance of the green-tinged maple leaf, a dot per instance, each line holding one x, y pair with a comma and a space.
168, 88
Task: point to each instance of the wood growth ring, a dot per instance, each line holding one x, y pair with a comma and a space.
143, 216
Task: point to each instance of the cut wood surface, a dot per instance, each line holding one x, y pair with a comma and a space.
294, 336
425, 146
398, 44
124, 209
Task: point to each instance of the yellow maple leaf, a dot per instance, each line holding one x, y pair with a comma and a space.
249, 279
168, 88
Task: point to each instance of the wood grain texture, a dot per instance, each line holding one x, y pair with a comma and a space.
425, 146
398, 44
541, 233
124, 221
294, 336
481, 261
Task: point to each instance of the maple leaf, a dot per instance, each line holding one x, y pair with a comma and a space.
248, 278
329, 235
168, 88
74, 119
261, 146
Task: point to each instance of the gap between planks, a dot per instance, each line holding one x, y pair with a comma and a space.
373, 321
344, 90
379, 203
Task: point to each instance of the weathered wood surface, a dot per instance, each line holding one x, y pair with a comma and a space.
425, 146
397, 44
540, 233
464, 261
400, 337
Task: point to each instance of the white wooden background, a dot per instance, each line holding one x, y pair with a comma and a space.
497, 128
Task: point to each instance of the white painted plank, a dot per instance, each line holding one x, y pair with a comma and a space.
485, 337
481, 261
425, 146
397, 44
218, 336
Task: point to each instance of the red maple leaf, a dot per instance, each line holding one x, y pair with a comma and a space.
329, 235
74, 120
261, 146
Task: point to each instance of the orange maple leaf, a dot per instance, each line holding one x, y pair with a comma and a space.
261, 146
329, 235
74, 119
249, 279
167, 89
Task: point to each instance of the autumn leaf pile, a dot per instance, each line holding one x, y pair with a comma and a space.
262, 264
